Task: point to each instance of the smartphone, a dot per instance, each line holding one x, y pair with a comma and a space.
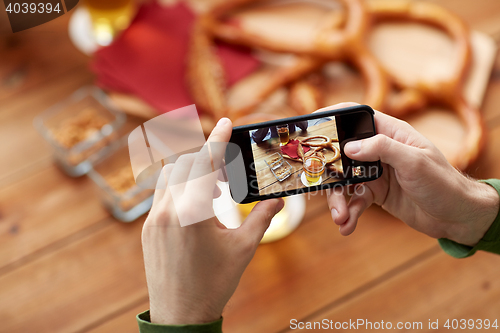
298, 154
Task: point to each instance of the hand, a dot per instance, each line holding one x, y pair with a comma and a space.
192, 271
418, 186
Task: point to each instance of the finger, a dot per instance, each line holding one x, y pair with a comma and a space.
182, 168
222, 173
194, 201
258, 220
381, 147
360, 201
338, 205
218, 139
162, 183
337, 106
389, 125
210, 157
217, 192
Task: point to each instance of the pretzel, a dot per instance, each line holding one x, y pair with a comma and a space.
300, 151
449, 93
428, 13
326, 143
315, 144
341, 39
304, 96
331, 44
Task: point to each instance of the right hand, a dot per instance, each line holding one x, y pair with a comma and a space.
417, 185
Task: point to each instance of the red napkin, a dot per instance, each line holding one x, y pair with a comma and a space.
148, 59
291, 148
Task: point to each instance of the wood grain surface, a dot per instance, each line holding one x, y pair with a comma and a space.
67, 266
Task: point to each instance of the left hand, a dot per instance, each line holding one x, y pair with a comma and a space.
193, 271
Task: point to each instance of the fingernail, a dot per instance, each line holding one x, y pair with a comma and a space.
353, 147
222, 122
335, 214
280, 205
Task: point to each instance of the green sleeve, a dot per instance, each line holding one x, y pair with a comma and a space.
490, 241
145, 326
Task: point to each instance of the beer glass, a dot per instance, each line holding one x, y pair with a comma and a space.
283, 133
314, 166
109, 17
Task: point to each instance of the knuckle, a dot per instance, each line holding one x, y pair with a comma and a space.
404, 124
381, 142
167, 168
157, 217
184, 158
203, 158
249, 245
186, 213
418, 163
162, 215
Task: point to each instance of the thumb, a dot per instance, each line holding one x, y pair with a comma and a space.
258, 220
381, 147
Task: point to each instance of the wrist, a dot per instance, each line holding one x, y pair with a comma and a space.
181, 315
482, 204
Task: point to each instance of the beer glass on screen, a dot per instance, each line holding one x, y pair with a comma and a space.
314, 166
283, 133
109, 17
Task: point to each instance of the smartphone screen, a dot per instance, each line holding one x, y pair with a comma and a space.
300, 154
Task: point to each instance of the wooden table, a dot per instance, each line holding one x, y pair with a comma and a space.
263, 151
67, 266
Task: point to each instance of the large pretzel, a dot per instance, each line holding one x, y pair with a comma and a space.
449, 93
343, 40
207, 80
326, 143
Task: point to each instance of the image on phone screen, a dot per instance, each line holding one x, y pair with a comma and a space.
295, 155
299, 154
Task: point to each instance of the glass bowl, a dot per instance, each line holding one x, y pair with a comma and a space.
120, 194
80, 128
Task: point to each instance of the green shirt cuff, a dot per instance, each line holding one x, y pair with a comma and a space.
145, 326
490, 242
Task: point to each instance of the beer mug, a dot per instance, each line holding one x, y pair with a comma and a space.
109, 17
283, 133
314, 166
283, 223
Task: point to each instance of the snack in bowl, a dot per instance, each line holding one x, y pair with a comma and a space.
76, 129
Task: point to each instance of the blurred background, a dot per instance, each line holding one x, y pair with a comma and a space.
73, 88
